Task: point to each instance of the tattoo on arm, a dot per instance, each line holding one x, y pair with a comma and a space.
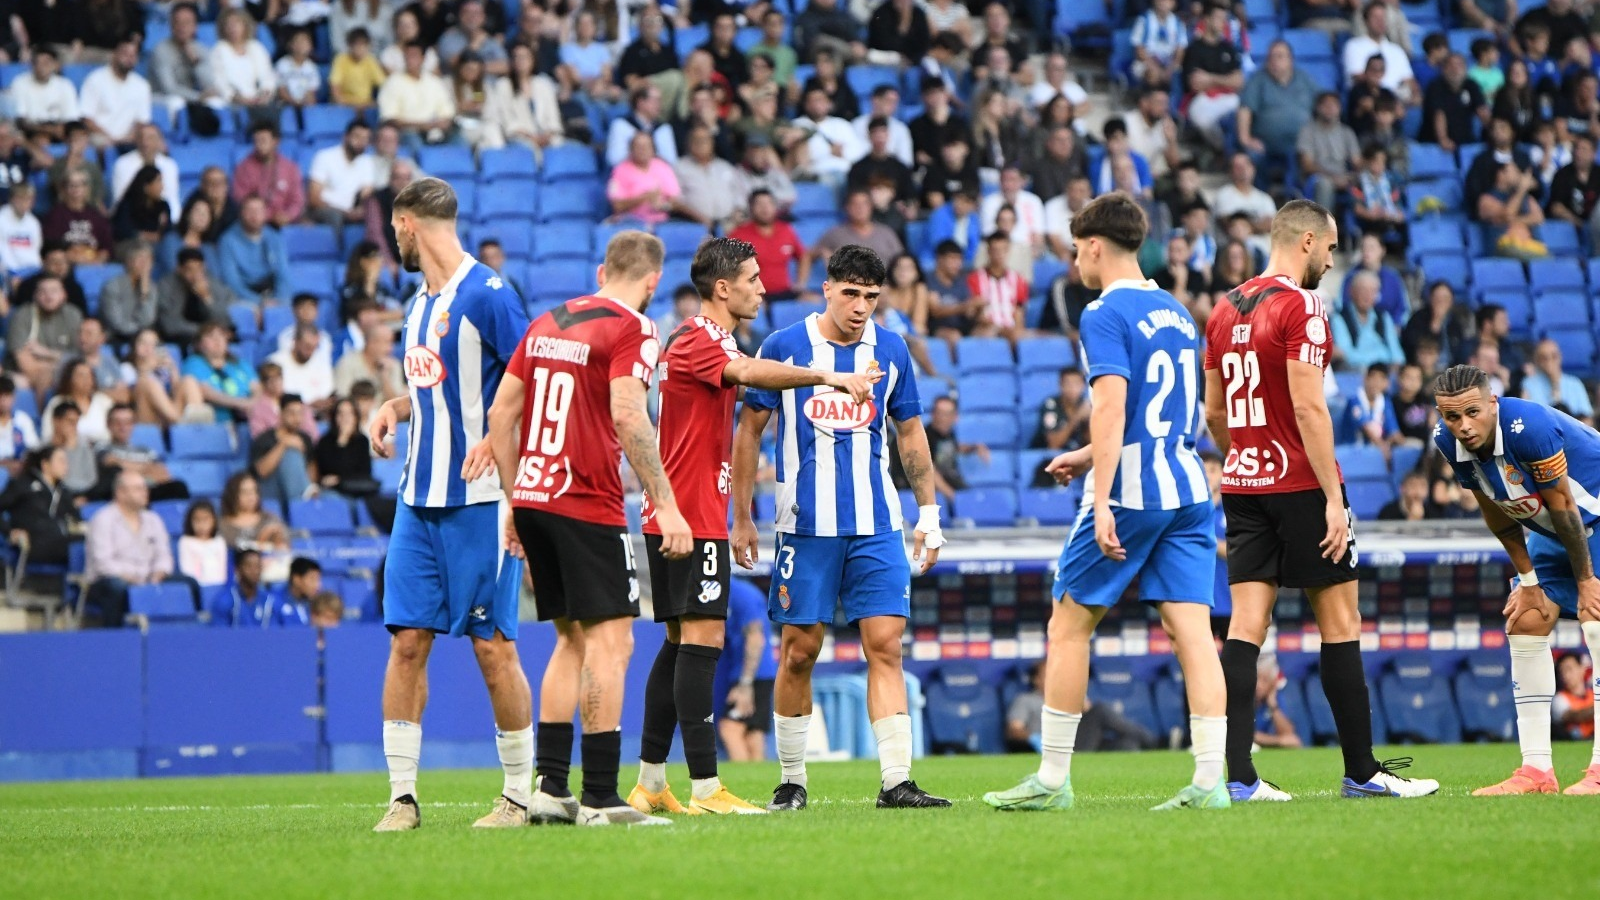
1569, 527
639, 444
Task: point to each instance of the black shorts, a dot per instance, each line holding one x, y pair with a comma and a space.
760, 718
1278, 537
696, 585
581, 571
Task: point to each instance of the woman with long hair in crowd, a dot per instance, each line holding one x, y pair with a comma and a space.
143, 212
161, 394
245, 524
523, 106
77, 384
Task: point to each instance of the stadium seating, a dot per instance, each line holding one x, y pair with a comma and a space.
169, 603
1112, 682
963, 712
1416, 701
1483, 688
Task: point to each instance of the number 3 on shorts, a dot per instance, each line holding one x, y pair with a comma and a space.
709, 568
786, 562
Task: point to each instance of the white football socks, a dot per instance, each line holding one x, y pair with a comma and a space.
1533, 687
1591, 636
402, 747
1058, 734
516, 758
703, 788
894, 748
653, 776
1209, 734
791, 739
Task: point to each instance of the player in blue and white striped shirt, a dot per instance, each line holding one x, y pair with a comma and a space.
443, 573
1146, 509
839, 522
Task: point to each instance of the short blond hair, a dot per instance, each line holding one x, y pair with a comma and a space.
1296, 219
634, 255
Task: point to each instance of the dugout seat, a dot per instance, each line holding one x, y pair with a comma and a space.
1417, 702
1112, 682
963, 713
1483, 690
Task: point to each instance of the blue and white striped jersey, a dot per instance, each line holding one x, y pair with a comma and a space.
458, 343
1138, 331
833, 455
1535, 447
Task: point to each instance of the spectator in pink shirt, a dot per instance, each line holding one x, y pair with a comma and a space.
643, 186
272, 177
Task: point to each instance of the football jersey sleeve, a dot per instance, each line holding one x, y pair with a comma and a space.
905, 401
635, 350
501, 320
707, 353
761, 398
517, 367
1446, 444
1534, 438
1105, 343
1215, 338
1305, 335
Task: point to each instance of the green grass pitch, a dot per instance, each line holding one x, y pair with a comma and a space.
309, 836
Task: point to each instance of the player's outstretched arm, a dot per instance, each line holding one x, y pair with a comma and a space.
630, 416
1527, 596
1107, 427
1568, 522
1217, 412
917, 460
744, 540
776, 376
384, 423
1316, 433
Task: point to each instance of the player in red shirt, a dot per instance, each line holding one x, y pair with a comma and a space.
1289, 524
572, 402
777, 245
701, 371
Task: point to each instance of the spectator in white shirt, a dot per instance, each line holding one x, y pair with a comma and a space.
644, 115
115, 98
306, 311
833, 146
305, 371
298, 77
1030, 211
21, 239
42, 101
1240, 195
886, 105
1153, 133
418, 102
1397, 74
707, 183
240, 64
1058, 81
150, 149
342, 178
1058, 215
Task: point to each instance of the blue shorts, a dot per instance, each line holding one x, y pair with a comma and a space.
1554, 569
448, 572
1173, 553
870, 575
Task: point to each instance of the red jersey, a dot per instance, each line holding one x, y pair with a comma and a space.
775, 252
570, 457
1251, 337
697, 426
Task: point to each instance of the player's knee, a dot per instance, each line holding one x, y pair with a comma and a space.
703, 632
882, 651
494, 654
1533, 622
800, 654
610, 640
410, 646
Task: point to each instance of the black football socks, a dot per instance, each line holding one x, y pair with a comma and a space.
1239, 660
601, 756
1345, 683
660, 707
692, 691
553, 750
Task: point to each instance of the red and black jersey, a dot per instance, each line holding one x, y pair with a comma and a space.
570, 458
1251, 338
696, 426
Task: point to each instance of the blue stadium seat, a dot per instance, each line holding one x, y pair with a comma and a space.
939, 355
161, 604
985, 355
1309, 45
1172, 705
1112, 682
790, 312
1447, 194
908, 506
171, 513
1292, 701
1496, 274
388, 472
1556, 274
1452, 268
150, 437
448, 161
1323, 730
815, 199
309, 242
997, 429
999, 471
990, 391
1035, 389
507, 166
681, 238
559, 242
1362, 461
1562, 308
324, 124
1417, 703
322, 516
1048, 506
1592, 271
515, 238
559, 280
1433, 235
245, 327
963, 712
1403, 460
1045, 354
274, 319
1461, 40
1430, 161
866, 79
931, 388
1560, 238
467, 200
1087, 24
987, 507
507, 209
570, 200
1483, 688
201, 442
569, 162
1577, 348
1368, 496
310, 276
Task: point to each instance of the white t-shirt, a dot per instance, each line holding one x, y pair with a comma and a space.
405, 99
899, 138
832, 130
1043, 92
312, 380
240, 75
341, 177
21, 240
54, 101
203, 559
129, 164
1254, 202
1030, 215
116, 106
1058, 219
17, 436
1396, 62
299, 79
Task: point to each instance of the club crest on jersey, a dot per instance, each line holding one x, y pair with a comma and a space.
837, 412
1513, 476
441, 326
424, 368
709, 591
783, 596
1316, 332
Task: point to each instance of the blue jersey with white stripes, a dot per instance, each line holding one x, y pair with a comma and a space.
458, 343
1139, 332
833, 454
1534, 447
